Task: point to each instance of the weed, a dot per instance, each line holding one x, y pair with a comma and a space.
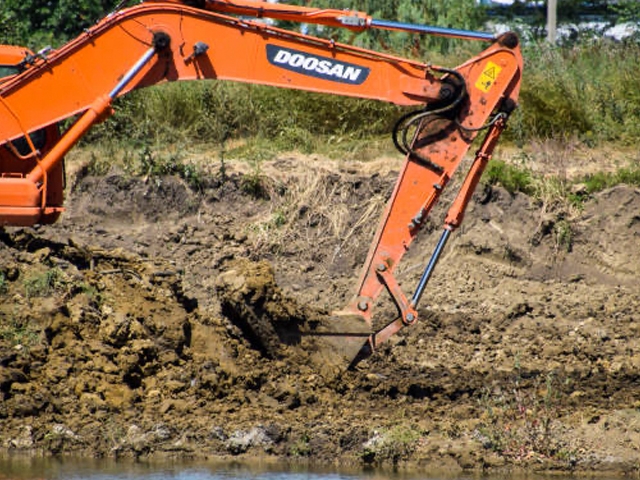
597, 182
150, 164
279, 218
301, 447
98, 164
42, 284
254, 184
392, 445
563, 235
92, 293
223, 175
3, 283
56, 439
513, 179
630, 175
518, 420
19, 331
191, 175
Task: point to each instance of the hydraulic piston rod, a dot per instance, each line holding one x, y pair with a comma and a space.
354, 20
426, 275
99, 108
431, 30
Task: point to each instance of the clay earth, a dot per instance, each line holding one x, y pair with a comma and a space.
123, 327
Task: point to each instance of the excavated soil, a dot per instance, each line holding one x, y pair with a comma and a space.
135, 327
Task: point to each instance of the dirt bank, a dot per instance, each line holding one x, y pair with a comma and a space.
118, 335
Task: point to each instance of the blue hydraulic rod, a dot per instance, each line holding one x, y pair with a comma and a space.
132, 72
438, 31
426, 275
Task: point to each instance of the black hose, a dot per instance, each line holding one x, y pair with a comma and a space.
400, 134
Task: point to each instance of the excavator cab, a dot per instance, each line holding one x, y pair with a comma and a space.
20, 156
10, 60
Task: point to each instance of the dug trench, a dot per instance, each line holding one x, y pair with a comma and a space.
135, 327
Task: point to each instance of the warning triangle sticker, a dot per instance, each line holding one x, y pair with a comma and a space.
488, 77
490, 72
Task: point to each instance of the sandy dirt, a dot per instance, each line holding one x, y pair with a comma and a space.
128, 329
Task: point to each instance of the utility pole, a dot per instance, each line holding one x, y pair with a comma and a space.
552, 8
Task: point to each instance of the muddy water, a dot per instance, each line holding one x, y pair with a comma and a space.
52, 469
83, 469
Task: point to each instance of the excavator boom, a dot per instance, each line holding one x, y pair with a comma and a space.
174, 40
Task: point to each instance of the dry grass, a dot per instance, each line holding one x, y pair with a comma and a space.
313, 207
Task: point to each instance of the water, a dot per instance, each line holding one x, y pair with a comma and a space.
68, 469
22, 468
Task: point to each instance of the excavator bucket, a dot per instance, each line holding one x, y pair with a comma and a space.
279, 327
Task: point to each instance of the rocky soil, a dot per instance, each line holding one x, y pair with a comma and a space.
120, 334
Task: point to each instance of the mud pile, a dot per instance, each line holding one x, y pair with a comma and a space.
132, 328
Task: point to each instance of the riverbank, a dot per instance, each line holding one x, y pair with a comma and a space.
116, 343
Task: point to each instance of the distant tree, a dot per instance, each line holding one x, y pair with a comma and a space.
628, 10
36, 23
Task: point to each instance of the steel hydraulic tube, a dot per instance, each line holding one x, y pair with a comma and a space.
431, 30
97, 110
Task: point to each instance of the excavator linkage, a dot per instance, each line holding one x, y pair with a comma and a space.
175, 40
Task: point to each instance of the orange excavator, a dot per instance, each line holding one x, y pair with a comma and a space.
169, 40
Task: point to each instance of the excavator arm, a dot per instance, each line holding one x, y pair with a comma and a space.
171, 40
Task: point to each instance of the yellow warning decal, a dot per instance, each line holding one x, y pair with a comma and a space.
488, 76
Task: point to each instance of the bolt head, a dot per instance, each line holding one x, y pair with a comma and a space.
363, 306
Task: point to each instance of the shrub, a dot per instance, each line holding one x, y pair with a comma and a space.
599, 181
590, 90
512, 178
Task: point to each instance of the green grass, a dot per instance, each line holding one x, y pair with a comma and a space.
518, 178
512, 178
597, 182
19, 332
392, 444
590, 90
43, 284
214, 112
